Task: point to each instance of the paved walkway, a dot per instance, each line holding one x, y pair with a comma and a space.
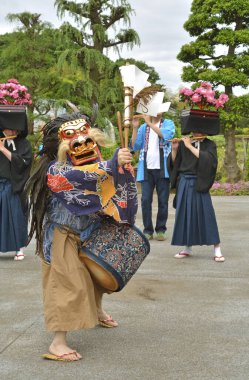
179, 319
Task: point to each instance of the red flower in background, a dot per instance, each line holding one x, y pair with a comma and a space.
58, 183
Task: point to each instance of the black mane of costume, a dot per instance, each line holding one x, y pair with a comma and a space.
37, 184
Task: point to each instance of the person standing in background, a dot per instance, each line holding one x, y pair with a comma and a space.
192, 166
15, 165
151, 140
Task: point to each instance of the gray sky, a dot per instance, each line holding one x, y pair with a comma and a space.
159, 24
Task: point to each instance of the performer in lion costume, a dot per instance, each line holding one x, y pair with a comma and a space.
71, 191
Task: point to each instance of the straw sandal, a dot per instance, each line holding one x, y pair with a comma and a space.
108, 322
61, 358
19, 256
219, 259
182, 255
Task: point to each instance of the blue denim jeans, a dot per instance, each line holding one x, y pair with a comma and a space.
162, 189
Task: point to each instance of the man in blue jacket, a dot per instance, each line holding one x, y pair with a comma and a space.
151, 139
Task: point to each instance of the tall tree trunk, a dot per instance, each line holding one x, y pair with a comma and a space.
30, 120
230, 161
95, 77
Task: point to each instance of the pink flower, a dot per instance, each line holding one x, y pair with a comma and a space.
227, 186
186, 91
13, 80
201, 91
211, 100
232, 188
237, 186
182, 91
216, 186
23, 88
10, 85
210, 92
218, 103
14, 93
223, 98
203, 97
3, 93
206, 84
196, 98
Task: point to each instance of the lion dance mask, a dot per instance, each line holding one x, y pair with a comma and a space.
77, 141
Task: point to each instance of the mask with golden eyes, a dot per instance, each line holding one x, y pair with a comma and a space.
76, 142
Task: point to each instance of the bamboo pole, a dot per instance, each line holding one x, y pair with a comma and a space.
120, 129
7, 138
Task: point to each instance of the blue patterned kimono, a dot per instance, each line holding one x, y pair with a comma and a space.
82, 195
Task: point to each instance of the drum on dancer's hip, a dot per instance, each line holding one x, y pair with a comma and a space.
113, 253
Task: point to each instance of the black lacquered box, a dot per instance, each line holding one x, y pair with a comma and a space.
13, 117
202, 121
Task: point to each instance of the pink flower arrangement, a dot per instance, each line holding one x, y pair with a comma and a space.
203, 97
13, 92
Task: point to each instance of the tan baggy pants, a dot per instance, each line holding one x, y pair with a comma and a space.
68, 289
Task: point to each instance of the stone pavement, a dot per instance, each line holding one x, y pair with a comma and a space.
179, 319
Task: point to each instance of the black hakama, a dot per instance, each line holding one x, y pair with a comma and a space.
13, 200
13, 228
195, 222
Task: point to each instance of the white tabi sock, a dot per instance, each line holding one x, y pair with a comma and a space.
188, 249
217, 251
20, 251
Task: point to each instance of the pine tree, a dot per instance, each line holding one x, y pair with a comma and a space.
219, 54
28, 54
87, 46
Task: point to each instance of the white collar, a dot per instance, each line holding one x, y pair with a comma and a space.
10, 142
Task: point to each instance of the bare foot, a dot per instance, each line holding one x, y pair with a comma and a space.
64, 350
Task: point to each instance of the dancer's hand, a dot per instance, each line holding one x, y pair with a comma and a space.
124, 156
